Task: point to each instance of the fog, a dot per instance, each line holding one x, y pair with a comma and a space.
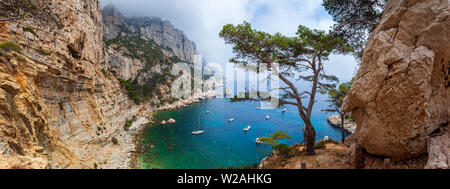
202, 20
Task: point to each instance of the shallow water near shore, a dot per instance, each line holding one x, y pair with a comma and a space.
224, 143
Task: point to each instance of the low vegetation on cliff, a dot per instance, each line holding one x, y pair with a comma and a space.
150, 53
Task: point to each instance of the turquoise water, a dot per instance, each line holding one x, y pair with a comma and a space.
224, 143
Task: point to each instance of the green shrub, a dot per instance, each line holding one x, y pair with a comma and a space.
104, 73
282, 149
127, 125
19, 58
350, 117
10, 46
43, 52
322, 144
28, 29
114, 140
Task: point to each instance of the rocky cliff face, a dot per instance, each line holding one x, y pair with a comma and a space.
57, 103
141, 51
162, 32
401, 92
161, 36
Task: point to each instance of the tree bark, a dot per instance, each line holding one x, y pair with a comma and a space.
310, 137
342, 127
309, 133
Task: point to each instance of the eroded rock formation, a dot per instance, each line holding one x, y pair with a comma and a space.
142, 50
401, 92
173, 41
55, 102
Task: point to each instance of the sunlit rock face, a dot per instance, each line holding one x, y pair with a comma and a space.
401, 92
54, 96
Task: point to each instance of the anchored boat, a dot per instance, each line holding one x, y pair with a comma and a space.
198, 131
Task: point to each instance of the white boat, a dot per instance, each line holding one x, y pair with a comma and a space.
267, 117
231, 119
207, 112
258, 141
198, 132
171, 121
247, 128
284, 109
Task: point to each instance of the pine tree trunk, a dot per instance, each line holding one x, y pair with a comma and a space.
310, 138
342, 128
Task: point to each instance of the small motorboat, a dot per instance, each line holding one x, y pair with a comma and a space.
267, 117
325, 138
171, 121
207, 111
283, 110
258, 141
247, 128
231, 119
197, 132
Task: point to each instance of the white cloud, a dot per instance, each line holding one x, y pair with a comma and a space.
202, 20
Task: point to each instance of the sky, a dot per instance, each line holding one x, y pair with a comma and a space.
202, 20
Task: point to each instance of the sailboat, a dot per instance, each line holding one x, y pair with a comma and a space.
198, 131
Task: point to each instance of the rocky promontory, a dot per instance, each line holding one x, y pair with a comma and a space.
335, 120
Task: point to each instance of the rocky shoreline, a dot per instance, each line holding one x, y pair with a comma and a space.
188, 101
124, 157
335, 120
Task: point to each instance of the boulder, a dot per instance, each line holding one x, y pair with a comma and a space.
400, 93
349, 140
439, 151
356, 155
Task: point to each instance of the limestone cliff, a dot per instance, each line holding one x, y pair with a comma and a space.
173, 41
140, 52
400, 95
57, 103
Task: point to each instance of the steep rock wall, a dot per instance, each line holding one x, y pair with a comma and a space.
401, 92
173, 41
56, 101
141, 51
